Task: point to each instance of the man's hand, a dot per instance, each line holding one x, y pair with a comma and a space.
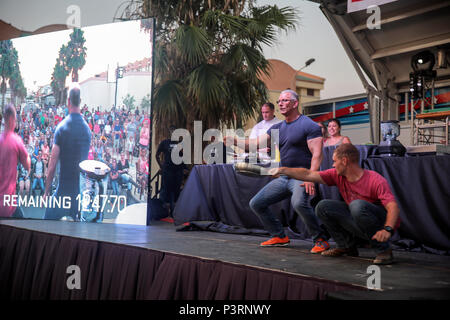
381, 236
276, 172
309, 187
265, 150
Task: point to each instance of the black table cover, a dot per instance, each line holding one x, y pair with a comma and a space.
421, 186
215, 194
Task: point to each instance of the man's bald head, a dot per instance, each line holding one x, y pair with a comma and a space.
74, 99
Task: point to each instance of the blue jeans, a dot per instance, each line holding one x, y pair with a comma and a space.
125, 178
115, 186
41, 184
359, 219
280, 189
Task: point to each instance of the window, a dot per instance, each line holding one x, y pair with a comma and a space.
310, 92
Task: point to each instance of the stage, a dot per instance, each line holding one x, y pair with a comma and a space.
133, 262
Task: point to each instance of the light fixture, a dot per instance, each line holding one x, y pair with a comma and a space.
307, 63
423, 61
422, 64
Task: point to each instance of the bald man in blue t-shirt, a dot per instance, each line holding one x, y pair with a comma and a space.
300, 145
71, 146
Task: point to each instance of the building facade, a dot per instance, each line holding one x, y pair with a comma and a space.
97, 91
281, 77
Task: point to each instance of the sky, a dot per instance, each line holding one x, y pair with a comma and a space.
314, 37
106, 44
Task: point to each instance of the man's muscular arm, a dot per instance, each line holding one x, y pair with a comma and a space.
315, 146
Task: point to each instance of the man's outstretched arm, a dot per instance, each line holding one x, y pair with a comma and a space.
298, 173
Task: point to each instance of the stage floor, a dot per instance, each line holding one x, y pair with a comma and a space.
413, 275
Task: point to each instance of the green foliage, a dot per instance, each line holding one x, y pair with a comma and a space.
71, 58
59, 75
76, 53
10, 72
129, 101
146, 102
209, 60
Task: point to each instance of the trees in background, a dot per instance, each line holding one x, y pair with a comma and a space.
209, 59
71, 59
10, 73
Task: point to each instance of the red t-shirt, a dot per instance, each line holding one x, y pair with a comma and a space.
11, 150
57, 119
371, 187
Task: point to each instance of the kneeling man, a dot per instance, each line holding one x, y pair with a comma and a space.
370, 210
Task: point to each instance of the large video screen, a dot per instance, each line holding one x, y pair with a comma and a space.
75, 129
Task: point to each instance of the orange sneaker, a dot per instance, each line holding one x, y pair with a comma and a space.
320, 246
275, 242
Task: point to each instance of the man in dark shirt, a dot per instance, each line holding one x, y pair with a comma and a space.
172, 174
300, 145
70, 147
117, 128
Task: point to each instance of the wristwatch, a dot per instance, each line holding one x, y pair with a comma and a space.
389, 229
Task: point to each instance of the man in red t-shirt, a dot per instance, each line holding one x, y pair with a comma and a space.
369, 210
12, 150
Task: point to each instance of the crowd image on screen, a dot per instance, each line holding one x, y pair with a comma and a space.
120, 138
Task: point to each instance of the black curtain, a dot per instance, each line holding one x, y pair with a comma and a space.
34, 264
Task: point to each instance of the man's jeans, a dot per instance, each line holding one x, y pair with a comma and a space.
277, 190
359, 219
41, 184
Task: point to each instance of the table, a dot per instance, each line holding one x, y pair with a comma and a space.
215, 193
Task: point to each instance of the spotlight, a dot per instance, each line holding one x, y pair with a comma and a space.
423, 61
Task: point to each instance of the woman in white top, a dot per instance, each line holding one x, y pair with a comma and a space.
334, 132
108, 130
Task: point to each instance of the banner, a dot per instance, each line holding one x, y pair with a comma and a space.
357, 5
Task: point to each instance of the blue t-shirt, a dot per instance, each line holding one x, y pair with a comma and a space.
117, 128
293, 137
73, 137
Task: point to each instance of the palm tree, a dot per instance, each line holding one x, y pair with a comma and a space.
76, 53
129, 101
146, 103
9, 69
17, 86
209, 59
59, 75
